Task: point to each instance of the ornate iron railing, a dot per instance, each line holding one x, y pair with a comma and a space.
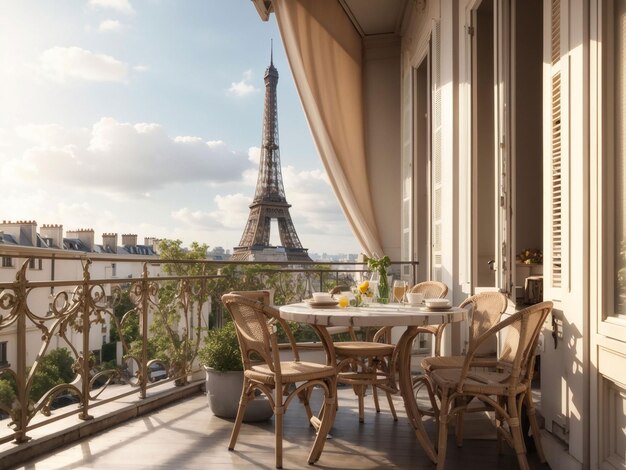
70, 301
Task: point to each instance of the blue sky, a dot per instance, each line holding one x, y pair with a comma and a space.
144, 116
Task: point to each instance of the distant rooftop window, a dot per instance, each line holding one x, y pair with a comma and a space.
74, 244
8, 239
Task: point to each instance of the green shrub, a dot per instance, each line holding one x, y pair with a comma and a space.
221, 349
7, 393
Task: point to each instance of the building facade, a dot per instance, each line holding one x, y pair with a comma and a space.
45, 252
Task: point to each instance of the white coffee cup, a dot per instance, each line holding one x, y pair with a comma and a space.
414, 298
322, 297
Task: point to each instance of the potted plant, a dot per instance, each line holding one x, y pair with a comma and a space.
221, 358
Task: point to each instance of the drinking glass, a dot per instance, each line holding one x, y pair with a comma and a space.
399, 290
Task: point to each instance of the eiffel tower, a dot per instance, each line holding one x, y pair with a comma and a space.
269, 201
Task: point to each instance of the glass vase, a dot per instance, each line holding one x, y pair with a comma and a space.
383, 287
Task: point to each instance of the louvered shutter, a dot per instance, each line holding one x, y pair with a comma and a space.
557, 193
435, 194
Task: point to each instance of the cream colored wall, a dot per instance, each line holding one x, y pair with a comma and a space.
381, 73
565, 370
608, 335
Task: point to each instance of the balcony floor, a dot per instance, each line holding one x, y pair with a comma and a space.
186, 435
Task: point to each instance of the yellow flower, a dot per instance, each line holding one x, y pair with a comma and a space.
364, 286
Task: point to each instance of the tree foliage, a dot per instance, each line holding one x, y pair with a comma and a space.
7, 393
55, 368
130, 330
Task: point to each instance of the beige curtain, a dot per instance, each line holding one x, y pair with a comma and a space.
324, 53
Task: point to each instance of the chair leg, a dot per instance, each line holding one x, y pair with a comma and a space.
534, 426
375, 393
498, 421
359, 391
328, 413
391, 407
516, 433
461, 403
459, 428
443, 430
241, 410
278, 434
304, 397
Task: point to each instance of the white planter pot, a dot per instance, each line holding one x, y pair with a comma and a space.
223, 391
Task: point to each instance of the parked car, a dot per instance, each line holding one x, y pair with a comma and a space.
157, 372
64, 400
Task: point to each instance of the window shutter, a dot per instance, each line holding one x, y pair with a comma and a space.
435, 190
557, 200
407, 249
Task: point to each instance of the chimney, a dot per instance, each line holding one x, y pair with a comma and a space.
23, 231
85, 235
152, 242
129, 239
53, 235
109, 242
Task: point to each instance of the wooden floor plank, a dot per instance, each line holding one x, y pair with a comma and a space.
186, 435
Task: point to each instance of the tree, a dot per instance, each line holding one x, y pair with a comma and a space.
131, 329
53, 369
171, 337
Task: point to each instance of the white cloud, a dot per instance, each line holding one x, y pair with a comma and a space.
254, 155
232, 209
243, 87
140, 68
4, 139
121, 6
110, 26
314, 204
231, 213
63, 63
121, 158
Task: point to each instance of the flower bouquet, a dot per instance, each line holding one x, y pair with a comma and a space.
363, 294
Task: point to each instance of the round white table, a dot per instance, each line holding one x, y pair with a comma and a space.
380, 315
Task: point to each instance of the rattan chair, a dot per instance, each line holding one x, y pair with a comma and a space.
431, 290
486, 309
504, 386
367, 363
263, 296
280, 380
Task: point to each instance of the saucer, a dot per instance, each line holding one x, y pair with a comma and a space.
437, 303
325, 304
438, 309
